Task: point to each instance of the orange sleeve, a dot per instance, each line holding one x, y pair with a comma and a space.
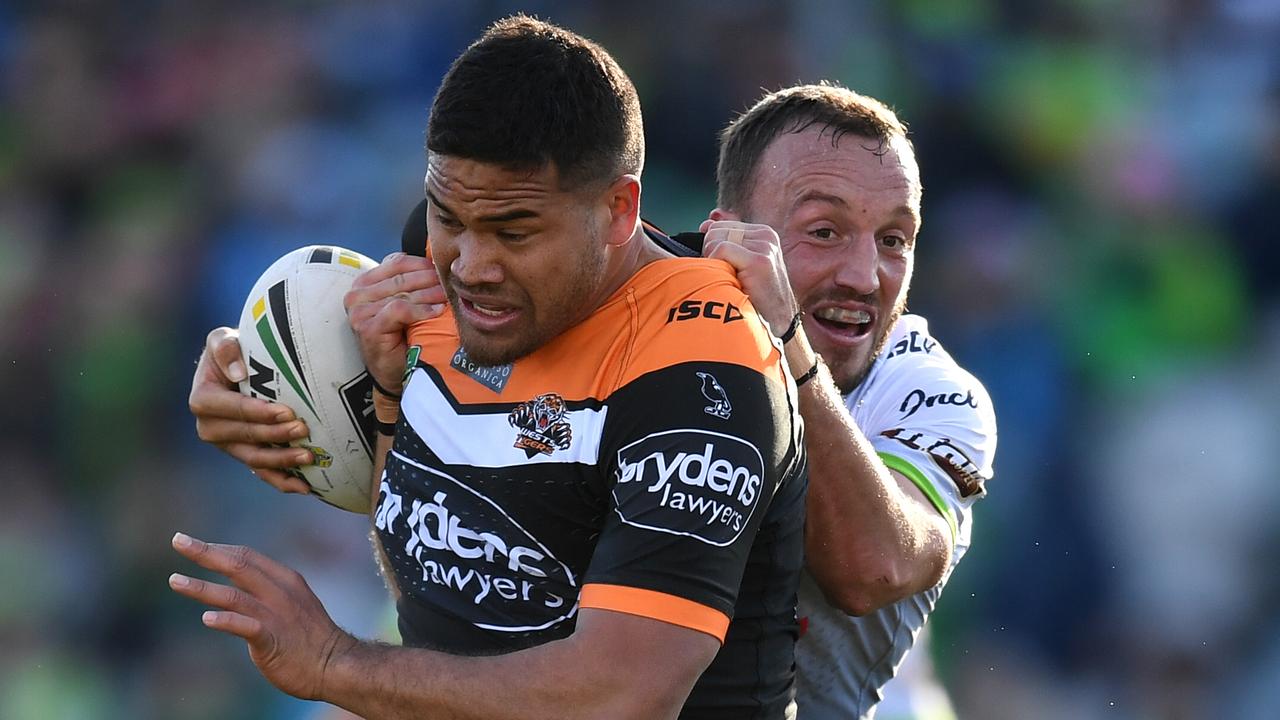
655, 605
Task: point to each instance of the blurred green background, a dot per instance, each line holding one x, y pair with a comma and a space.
1100, 246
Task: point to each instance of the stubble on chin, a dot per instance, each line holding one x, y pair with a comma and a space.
486, 353
852, 377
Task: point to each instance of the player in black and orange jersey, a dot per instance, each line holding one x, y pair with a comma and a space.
596, 477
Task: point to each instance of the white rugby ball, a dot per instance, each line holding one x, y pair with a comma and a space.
300, 351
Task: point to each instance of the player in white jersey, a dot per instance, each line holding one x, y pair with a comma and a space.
900, 438
932, 421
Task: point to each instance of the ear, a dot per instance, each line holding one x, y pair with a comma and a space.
623, 200
722, 214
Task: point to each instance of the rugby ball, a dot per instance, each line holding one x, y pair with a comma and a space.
300, 351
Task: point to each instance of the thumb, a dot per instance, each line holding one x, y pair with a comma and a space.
224, 345
427, 311
732, 253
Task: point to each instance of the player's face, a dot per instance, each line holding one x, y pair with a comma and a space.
847, 214
520, 259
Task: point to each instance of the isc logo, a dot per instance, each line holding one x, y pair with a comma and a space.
712, 309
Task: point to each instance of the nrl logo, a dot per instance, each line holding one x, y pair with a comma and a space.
322, 457
540, 425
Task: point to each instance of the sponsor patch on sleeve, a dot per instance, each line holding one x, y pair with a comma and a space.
946, 454
696, 483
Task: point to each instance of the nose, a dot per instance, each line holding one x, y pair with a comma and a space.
859, 266
476, 262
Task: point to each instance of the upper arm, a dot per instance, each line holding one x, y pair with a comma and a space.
937, 436
688, 491
700, 437
637, 667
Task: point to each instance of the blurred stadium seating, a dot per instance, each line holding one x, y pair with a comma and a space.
1100, 246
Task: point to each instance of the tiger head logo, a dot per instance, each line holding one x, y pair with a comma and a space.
540, 425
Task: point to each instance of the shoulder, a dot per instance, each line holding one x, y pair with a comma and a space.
920, 406
684, 289
694, 310
916, 378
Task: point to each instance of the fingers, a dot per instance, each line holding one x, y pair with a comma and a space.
215, 594
211, 401
755, 254
738, 232
249, 429
736, 255
380, 329
398, 313
755, 250
757, 240
233, 623
383, 303
405, 308
218, 431
399, 262
245, 567
425, 284
239, 610
272, 458
282, 481
393, 314
397, 273
223, 344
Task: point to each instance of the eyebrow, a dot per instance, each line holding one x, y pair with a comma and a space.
517, 214
829, 199
816, 196
906, 210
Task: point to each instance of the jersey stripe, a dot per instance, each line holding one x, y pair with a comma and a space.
655, 605
918, 478
487, 440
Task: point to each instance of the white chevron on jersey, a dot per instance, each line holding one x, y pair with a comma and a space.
487, 439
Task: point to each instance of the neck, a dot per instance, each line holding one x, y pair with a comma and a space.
626, 260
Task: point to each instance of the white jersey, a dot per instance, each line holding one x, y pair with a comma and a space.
932, 422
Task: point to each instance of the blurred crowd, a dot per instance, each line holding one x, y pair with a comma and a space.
1100, 247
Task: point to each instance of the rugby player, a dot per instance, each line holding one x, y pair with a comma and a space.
587, 492
900, 438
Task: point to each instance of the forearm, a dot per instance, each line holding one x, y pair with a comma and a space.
380, 682
869, 540
561, 679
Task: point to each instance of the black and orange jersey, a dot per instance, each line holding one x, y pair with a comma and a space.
646, 461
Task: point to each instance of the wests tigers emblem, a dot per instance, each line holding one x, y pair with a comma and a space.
540, 425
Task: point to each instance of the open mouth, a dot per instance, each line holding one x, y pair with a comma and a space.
487, 315
851, 325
